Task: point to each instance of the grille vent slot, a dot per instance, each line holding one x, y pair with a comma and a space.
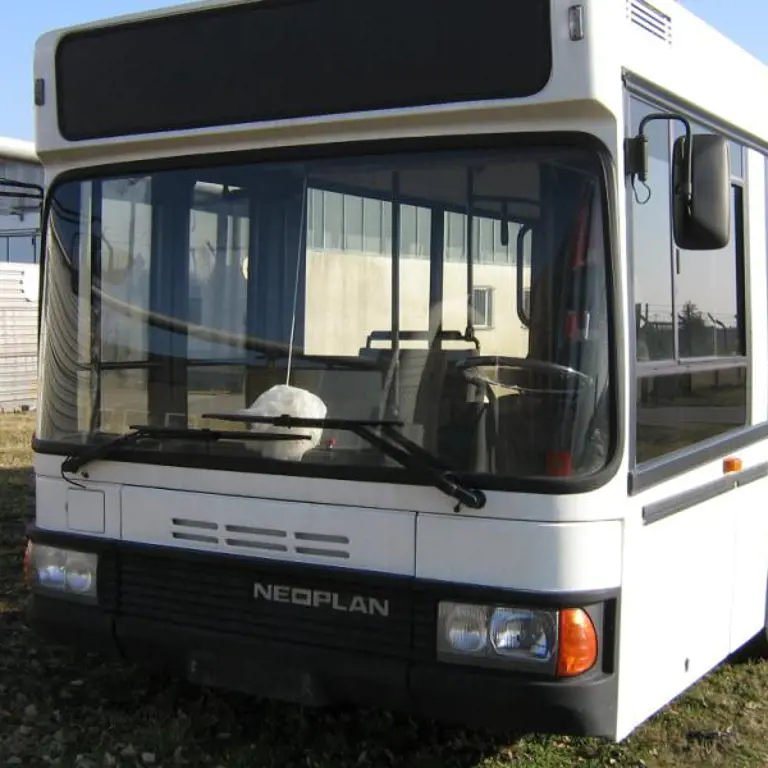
650, 19
244, 538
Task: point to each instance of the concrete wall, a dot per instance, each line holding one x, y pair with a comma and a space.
350, 295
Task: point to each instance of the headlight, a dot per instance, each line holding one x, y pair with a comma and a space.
553, 642
466, 628
523, 634
62, 571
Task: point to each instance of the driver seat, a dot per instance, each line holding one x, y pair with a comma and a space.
434, 398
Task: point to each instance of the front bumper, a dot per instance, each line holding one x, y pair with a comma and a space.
339, 659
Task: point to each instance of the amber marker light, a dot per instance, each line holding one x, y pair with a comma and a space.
577, 646
732, 464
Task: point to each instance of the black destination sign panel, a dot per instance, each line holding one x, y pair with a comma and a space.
278, 59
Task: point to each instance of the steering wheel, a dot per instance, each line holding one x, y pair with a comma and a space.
469, 369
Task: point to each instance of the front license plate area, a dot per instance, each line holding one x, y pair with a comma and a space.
252, 677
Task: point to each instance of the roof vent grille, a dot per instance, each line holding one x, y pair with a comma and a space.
650, 19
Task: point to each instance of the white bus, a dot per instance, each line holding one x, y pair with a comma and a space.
410, 353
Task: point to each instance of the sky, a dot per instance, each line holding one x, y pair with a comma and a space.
22, 26
745, 21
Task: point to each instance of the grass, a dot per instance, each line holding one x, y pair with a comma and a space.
62, 709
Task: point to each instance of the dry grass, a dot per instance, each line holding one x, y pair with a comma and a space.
57, 708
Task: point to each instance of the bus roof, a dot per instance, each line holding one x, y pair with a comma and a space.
18, 149
658, 43
676, 53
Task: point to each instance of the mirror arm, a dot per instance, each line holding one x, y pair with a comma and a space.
636, 153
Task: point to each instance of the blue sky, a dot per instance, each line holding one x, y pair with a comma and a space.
743, 20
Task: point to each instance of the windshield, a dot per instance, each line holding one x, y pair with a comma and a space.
462, 294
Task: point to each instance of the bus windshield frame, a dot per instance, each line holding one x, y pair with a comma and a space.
261, 337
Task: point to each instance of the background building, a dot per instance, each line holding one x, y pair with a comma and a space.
19, 275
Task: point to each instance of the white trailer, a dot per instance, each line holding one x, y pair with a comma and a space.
406, 353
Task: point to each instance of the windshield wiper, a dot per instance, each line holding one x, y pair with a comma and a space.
141, 431
389, 441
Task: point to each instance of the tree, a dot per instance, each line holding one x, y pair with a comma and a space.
691, 316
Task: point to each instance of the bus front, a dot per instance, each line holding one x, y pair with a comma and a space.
329, 404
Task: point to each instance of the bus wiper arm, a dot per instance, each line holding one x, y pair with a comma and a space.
390, 442
412, 456
141, 431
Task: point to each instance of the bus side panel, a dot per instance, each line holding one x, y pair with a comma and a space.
750, 577
751, 544
676, 600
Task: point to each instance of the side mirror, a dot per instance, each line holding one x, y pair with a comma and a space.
702, 207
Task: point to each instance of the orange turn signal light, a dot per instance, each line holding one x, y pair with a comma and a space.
732, 464
577, 646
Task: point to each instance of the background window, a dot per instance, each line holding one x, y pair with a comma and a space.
22, 249
372, 220
353, 223
18, 248
334, 221
482, 300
